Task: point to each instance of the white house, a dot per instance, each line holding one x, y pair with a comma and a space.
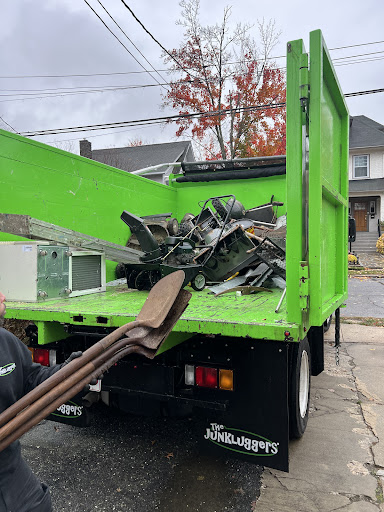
366, 172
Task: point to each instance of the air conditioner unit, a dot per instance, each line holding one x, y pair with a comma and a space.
36, 270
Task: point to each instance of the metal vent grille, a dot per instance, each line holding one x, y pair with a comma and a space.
86, 272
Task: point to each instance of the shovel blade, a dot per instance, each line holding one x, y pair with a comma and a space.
155, 338
160, 300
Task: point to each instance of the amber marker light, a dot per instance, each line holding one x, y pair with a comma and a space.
226, 380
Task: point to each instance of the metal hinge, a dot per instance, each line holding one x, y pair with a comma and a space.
304, 285
304, 82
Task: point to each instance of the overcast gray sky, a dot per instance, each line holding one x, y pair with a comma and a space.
64, 37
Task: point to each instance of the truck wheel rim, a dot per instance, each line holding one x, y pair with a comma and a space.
304, 384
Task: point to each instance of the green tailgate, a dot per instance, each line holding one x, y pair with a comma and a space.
317, 185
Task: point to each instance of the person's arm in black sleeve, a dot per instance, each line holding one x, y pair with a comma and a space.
34, 373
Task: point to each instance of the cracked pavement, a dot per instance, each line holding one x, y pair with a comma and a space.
339, 462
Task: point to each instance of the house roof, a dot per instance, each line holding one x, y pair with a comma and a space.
365, 133
139, 157
368, 185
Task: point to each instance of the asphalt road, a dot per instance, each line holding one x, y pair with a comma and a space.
126, 463
365, 297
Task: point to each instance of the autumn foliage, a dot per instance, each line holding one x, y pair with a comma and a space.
225, 75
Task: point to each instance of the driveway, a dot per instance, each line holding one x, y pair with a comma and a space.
339, 462
365, 297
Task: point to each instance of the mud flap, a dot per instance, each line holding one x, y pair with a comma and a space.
72, 413
254, 426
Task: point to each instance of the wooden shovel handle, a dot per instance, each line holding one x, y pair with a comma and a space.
48, 397
65, 372
70, 393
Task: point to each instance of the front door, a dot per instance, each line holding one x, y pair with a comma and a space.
360, 212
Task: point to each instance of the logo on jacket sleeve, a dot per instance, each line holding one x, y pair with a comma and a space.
7, 369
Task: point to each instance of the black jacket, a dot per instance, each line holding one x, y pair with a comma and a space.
18, 375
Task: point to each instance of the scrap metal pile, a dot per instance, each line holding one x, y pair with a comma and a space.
225, 246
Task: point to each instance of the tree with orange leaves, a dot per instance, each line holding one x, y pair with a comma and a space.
232, 83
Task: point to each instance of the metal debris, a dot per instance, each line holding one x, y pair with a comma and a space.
225, 245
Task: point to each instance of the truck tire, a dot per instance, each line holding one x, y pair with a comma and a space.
299, 388
327, 323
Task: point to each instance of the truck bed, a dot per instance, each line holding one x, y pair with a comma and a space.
246, 316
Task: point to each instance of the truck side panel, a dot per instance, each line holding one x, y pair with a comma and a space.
74, 192
317, 185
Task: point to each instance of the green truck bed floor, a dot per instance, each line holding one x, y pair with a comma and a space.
246, 316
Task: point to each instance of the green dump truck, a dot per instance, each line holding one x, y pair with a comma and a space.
233, 358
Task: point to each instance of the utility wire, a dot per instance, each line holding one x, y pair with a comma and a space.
102, 88
360, 61
359, 55
363, 93
50, 93
157, 42
159, 120
76, 90
132, 43
12, 128
93, 136
83, 75
356, 45
154, 120
122, 44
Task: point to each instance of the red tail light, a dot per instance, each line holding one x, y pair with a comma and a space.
41, 356
206, 377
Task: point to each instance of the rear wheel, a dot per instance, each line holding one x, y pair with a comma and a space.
299, 388
327, 323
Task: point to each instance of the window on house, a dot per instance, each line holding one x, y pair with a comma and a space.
361, 166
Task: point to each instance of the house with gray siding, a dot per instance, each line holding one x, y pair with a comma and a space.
366, 173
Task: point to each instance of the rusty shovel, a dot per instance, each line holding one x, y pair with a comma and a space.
66, 390
154, 311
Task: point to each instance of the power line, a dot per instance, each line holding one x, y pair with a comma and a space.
363, 93
360, 61
140, 72
130, 40
156, 41
356, 45
359, 55
29, 94
160, 120
5, 122
96, 135
32, 94
122, 44
154, 120
76, 90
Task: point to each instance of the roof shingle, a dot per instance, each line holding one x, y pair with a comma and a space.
139, 157
365, 133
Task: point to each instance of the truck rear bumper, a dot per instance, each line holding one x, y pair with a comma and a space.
250, 422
